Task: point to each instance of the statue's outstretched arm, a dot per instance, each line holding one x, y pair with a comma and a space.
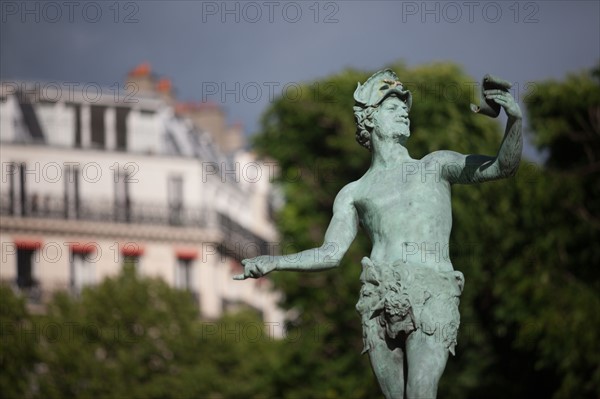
340, 234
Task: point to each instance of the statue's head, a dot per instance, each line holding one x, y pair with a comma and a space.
370, 96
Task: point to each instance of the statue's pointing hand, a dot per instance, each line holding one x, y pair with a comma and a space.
256, 267
504, 99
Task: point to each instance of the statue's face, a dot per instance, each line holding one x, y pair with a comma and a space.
391, 119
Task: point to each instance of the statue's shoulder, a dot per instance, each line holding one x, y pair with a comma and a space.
348, 193
443, 157
350, 188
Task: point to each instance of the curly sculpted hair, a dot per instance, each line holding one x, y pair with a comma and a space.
364, 124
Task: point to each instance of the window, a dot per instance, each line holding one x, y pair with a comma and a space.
72, 192
121, 128
77, 110
185, 271
12, 192
175, 193
82, 267
26, 282
77, 122
122, 200
83, 271
25, 278
183, 274
98, 128
17, 188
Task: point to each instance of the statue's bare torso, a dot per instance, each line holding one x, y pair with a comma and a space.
406, 213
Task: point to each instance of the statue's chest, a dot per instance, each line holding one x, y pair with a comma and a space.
401, 192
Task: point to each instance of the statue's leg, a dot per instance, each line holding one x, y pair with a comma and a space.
426, 357
387, 361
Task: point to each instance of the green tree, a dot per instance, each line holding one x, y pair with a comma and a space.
245, 356
137, 337
19, 351
565, 117
127, 337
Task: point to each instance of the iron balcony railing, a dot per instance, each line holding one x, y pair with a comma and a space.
236, 239
102, 210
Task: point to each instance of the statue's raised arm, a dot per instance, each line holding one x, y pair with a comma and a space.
468, 169
340, 234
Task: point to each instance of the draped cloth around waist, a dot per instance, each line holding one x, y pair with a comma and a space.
399, 298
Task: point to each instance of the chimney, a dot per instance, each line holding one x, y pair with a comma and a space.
164, 88
141, 76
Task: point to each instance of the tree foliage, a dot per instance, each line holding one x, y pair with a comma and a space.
132, 337
132, 333
18, 350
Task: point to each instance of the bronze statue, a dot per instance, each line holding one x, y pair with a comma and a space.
409, 296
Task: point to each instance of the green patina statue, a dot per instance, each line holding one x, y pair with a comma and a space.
410, 291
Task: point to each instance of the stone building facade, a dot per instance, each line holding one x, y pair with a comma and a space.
95, 177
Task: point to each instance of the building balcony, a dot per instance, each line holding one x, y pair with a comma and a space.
232, 238
238, 241
102, 210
